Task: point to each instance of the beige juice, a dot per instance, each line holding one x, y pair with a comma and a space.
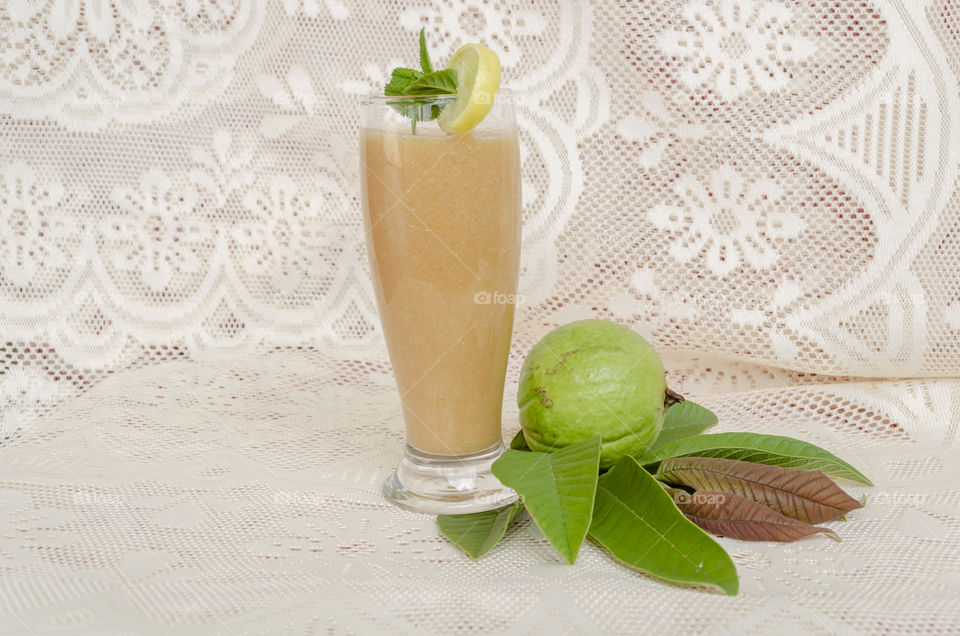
443, 234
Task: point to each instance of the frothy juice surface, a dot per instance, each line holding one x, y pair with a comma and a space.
443, 235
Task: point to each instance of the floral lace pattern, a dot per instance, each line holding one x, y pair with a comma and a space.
142, 61
286, 240
656, 129
452, 23
35, 233
768, 190
730, 219
733, 46
160, 220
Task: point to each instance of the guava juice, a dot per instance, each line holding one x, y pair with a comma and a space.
442, 218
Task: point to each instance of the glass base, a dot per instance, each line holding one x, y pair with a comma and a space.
444, 485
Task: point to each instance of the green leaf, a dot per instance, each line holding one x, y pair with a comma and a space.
477, 533
409, 82
683, 419
400, 79
519, 442
425, 65
558, 490
436, 83
772, 450
636, 520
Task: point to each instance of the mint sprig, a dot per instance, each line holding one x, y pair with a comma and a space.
407, 82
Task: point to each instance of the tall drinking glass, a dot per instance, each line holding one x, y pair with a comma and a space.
442, 221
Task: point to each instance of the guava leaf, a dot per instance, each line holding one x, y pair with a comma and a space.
683, 419
730, 515
636, 520
558, 490
477, 533
519, 442
805, 495
772, 450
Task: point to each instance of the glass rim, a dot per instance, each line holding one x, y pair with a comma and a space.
370, 98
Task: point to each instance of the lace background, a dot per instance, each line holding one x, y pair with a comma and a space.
197, 409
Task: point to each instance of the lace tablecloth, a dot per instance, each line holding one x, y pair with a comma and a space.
197, 410
242, 495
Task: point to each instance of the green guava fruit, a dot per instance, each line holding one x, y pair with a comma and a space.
589, 378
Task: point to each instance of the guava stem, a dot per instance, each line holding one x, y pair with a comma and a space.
671, 397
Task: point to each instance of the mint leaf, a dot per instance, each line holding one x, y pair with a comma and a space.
772, 450
425, 65
683, 419
439, 82
477, 533
558, 490
636, 520
400, 79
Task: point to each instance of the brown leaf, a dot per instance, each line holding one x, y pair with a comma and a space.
730, 515
805, 495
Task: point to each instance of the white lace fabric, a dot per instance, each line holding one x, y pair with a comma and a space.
197, 410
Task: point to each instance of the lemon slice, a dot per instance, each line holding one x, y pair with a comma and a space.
478, 79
